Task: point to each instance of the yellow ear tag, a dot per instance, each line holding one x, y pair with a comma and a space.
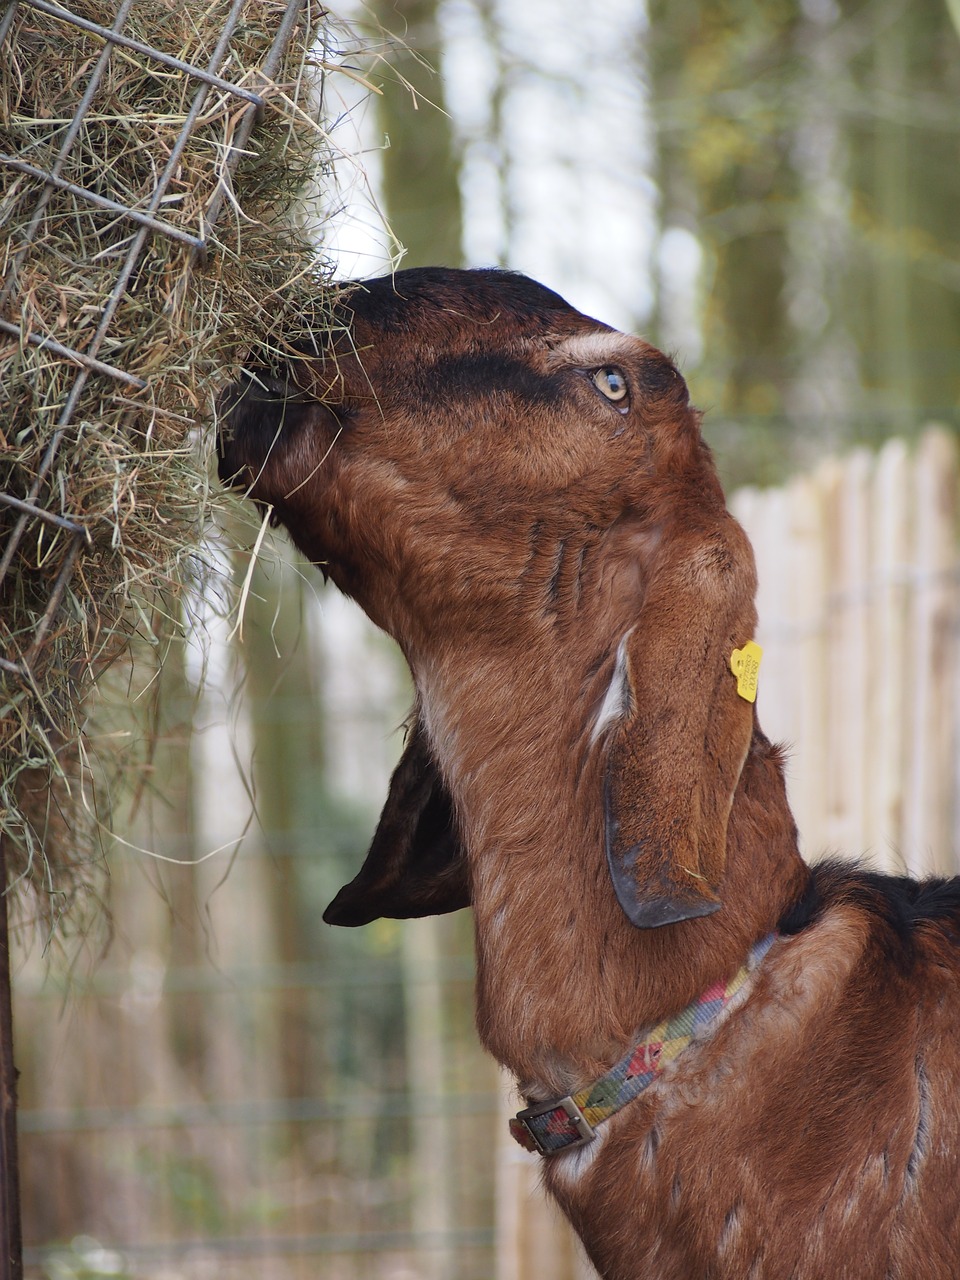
745, 665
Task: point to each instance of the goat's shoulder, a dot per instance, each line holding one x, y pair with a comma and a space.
910, 927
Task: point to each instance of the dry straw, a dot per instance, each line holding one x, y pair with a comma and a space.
153, 186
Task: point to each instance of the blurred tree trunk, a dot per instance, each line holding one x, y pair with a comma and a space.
282, 683
432, 1174
907, 179
812, 148
421, 189
893, 198
824, 387
172, 832
725, 173
421, 195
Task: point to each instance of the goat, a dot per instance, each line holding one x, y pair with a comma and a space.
522, 497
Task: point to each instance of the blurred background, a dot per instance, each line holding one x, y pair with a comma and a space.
215, 1084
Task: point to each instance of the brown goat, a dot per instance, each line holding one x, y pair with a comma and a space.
521, 497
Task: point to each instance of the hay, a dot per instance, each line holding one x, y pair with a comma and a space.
117, 493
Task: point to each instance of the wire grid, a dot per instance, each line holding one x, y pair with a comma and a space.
86, 362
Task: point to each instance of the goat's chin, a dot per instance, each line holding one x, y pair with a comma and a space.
232, 469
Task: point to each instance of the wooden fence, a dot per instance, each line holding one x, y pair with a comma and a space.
859, 603
859, 570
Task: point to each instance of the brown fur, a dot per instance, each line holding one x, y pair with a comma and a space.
513, 529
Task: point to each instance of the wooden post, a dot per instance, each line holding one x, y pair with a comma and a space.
11, 1245
927, 835
433, 1215
533, 1237
892, 519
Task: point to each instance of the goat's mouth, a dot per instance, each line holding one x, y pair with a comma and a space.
253, 416
233, 471
237, 420
240, 475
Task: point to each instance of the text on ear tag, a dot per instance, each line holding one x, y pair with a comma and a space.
745, 665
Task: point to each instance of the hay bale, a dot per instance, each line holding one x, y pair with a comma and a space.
104, 454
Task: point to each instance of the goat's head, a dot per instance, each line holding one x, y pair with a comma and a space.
491, 475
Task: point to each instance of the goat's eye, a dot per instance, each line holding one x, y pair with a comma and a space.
611, 383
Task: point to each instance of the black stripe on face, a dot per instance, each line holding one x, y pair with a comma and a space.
553, 586
486, 375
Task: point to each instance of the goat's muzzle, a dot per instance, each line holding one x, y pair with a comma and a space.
259, 417
249, 417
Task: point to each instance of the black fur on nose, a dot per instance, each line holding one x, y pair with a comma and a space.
252, 415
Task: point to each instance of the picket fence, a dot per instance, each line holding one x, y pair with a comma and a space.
859, 619
859, 604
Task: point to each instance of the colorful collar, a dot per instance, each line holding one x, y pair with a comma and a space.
569, 1122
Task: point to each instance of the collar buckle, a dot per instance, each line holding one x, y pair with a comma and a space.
555, 1126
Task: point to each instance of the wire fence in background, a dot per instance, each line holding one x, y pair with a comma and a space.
166, 1139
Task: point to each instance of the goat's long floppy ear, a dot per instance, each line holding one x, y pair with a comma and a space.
676, 750
416, 865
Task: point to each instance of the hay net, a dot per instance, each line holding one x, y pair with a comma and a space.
155, 160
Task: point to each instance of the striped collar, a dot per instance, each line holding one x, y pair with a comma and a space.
569, 1122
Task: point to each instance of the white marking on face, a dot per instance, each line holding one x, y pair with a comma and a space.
594, 349
616, 700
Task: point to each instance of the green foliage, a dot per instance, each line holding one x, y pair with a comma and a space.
813, 149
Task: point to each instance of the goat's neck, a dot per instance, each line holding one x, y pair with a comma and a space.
564, 981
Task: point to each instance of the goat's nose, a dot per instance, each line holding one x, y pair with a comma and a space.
232, 472
250, 415
230, 466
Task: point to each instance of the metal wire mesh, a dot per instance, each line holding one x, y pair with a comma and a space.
117, 160
86, 361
